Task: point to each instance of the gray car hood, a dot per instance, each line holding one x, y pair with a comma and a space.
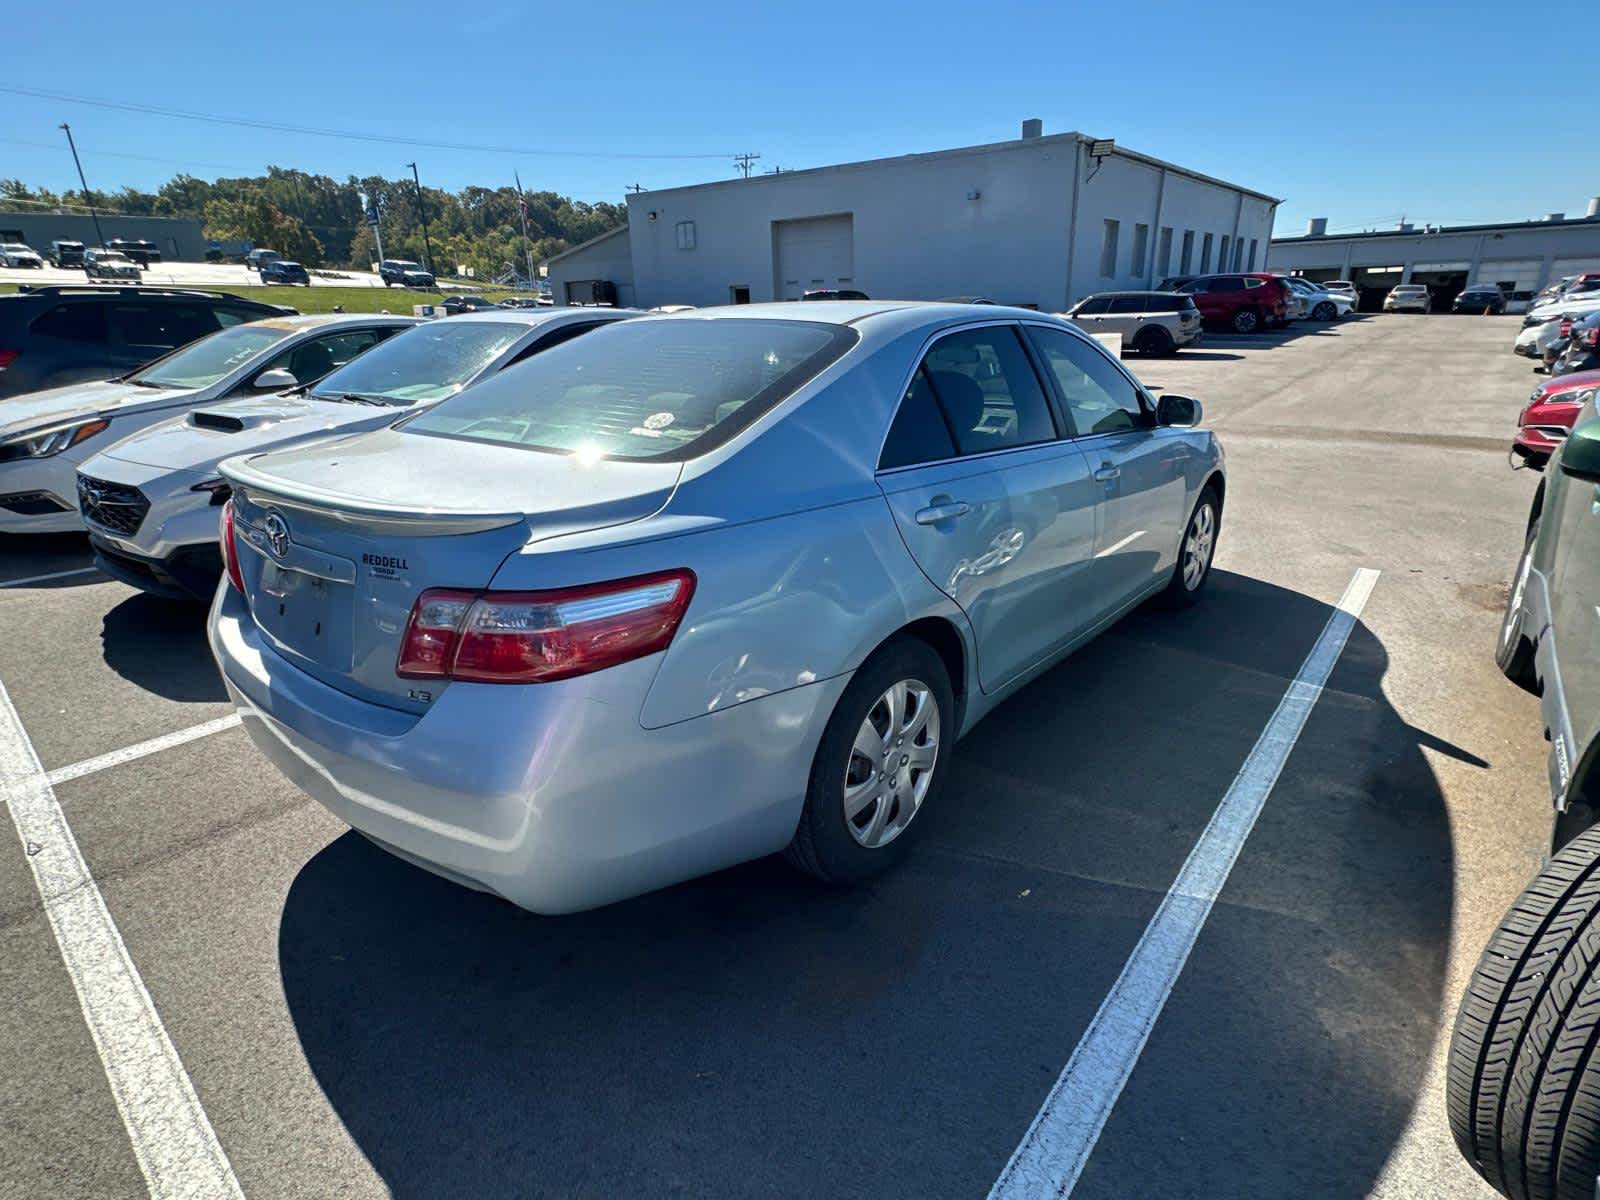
413, 477
206, 435
38, 409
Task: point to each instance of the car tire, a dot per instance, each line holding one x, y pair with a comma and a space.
1154, 340
1324, 311
1197, 550
836, 846
1524, 1066
1246, 320
1514, 650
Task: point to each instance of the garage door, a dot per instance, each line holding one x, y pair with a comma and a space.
1512, 274
1573, 266
818, 252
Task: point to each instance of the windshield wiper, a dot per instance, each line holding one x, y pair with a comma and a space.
357, 398
145, 383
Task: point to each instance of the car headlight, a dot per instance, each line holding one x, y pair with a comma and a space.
42, 443
1581, 397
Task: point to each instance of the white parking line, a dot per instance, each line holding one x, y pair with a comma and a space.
174, 1143
116, 758
1057, 1145
5, 583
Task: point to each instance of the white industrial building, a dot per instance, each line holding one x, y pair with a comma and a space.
1039, 221
1521, 256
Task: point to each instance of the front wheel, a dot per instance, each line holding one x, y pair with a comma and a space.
1323, 312
882, 760
1524, 1069
1196, 551
1245, 321
1513, 653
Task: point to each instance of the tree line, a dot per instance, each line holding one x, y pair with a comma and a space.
320, 221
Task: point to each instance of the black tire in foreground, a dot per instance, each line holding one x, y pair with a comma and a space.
841, 842
1523, 1090
1154, 341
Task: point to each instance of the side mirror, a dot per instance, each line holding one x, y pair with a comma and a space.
275, 380
1580, 453
1179, 411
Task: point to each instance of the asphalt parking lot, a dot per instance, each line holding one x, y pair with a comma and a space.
354, 1027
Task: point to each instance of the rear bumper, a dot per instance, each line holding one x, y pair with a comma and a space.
552, 796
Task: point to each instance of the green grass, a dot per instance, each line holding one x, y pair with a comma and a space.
352, 300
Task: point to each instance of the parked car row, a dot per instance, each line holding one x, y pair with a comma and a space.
119, 258
1557, 323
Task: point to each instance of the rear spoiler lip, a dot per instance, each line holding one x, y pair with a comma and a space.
273, 492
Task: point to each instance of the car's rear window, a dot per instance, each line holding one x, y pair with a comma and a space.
661, 389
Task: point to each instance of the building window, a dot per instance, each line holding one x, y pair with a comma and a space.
1205, 255
1141, 244
1108, 250
1222, 253
1238, 252
1164, 252
1188, 252
685, 235
738, 293
1252, 265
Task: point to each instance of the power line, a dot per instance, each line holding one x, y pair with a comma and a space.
347, 134
171, 162
743, 162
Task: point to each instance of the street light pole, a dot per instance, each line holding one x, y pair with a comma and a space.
422, 211
87, 199
527, 245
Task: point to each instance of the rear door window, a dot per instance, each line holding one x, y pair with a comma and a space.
1094, 306
1099, 397
920, 433
1127, 304
162, 325
988, 391
74, 322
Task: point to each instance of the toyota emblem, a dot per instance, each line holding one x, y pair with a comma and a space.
277, 531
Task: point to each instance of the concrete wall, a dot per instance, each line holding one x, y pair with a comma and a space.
605, 257
178, 238
993, 221
1559, 248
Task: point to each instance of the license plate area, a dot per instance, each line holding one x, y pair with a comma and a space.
306, 614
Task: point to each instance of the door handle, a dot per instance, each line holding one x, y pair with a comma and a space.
1107, 473
935, 513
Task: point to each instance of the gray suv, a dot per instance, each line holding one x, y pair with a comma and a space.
1149, 322
52, 336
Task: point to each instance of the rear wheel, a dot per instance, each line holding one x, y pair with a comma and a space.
1153, 339
1246, 320
1513, 653
1523, 1079
1323, 311
882, 759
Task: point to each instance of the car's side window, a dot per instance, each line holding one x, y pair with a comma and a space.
168, 325
75, 322
919, 433
1094, 306
1099, 397
1127, 304
987, 390
1195, 287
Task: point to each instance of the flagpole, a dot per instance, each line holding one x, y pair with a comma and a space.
527, 245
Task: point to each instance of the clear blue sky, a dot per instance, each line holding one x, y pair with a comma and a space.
1359, 112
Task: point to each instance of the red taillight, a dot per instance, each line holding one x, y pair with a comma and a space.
1565, 329
538, 637
230, 551
7, 357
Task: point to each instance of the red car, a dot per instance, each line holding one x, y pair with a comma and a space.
1551, 412
1240, 303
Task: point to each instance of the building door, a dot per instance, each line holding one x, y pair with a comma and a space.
811, 254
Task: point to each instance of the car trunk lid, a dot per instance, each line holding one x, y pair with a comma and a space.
337, 541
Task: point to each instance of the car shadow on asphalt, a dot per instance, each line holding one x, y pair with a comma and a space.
30, 555
755, 1033
160, 645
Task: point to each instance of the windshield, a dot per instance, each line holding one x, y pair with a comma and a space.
643, 390
208, 360
427, 362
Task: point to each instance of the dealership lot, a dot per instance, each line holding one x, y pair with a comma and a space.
355, 1027
185, 274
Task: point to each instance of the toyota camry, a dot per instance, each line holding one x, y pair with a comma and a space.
701, 587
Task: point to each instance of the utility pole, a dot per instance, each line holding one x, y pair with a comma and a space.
527, 244
743, 161
87, 199
422, 211
372, 216
636, 188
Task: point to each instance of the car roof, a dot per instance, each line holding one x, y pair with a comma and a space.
887, 316
323, 320
539, 316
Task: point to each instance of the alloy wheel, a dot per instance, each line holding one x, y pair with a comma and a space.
891, 763
1198, 544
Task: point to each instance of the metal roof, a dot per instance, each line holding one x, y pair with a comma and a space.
1439, 230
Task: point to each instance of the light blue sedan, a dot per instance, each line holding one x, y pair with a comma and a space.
698, 588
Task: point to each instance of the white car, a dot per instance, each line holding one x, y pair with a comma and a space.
1541, 327
15, 254
1317, 302
44, 436
151, 501
1343, 287
1408, 297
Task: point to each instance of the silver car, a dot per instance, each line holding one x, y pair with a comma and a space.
1149, 322
698, 588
